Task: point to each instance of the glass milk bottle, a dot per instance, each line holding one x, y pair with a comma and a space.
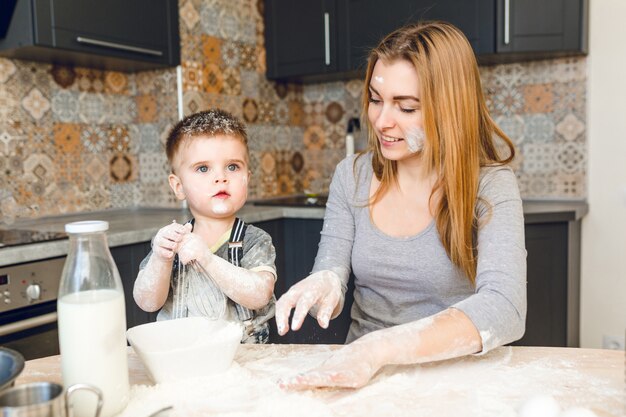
92, 321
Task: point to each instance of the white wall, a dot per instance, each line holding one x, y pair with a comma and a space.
603, 286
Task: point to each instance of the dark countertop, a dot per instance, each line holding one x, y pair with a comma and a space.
134, 225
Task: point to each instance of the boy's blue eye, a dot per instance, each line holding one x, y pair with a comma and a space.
233, 167
203, 168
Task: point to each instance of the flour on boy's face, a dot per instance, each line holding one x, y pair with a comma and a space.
212, 175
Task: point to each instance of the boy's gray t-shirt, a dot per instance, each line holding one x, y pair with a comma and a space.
258, 255
403, 279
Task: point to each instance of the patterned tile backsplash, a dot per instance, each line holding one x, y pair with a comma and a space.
79, 139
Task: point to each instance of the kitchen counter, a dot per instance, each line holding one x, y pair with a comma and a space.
495, 384
128, 226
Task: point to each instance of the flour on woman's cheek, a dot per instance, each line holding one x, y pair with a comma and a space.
415, 139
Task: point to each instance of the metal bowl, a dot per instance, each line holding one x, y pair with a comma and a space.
11, 365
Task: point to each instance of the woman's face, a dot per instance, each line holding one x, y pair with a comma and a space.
394, 109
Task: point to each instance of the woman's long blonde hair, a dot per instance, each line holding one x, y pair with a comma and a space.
459, 130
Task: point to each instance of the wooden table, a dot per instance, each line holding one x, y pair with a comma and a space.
495, 384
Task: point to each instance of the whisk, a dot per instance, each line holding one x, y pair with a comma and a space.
196, 292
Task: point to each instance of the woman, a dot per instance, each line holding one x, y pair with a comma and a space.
429, 218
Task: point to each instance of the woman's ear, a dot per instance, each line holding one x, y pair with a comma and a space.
177, 186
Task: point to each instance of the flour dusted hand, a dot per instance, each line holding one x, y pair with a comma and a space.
193, 248
320, 293
352, 366
167, 240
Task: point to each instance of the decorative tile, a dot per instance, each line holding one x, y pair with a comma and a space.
296, 113
538, 128
67, 138
118, 139
209, 18
40, 167
334, 112
92, 108
120, 109
231, 54
281, 113
268, 163
571, 157
63, 75
314, 138
115, 82
509, 75
569, 69
539, 158
571, 186
513, 126
122, 168
266, 112
538, 98
94, 139
213, 78
7, 69
189, 15
248, 57
151, 167
212, 49
250, 110
65, 106
8, 103
228, 24
193, 76
124, 194
231, 84
90, 80
146, 108
508, 101
570, 127
193, 102
96, 170
354, 88
249, 84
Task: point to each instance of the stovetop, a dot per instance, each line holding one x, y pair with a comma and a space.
15, 237
295, 201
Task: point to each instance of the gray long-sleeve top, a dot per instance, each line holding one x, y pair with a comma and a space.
403, 279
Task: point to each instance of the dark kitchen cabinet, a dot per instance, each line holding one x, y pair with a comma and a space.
538, 28
366, 22
553, 284
300, 49
127, 258
113, 34
301, 38
296, 242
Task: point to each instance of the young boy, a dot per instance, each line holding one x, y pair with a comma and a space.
208, 156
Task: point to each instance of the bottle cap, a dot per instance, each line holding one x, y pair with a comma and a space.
88, 226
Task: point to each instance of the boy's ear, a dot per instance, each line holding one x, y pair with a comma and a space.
177, 186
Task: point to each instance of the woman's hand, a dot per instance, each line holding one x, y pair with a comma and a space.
351, 366
167, 240
320, 293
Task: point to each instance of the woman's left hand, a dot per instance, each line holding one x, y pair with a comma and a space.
352, 366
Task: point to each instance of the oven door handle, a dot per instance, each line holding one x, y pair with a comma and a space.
33, 322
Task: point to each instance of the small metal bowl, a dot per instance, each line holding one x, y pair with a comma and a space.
11, 365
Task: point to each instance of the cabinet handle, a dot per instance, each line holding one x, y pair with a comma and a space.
327, 38
507, 21
120, 46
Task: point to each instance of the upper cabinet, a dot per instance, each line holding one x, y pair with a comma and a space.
540, 28
301, 38
330, 39
113, 34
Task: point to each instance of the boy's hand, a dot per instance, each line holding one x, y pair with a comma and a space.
192, 247
167, 240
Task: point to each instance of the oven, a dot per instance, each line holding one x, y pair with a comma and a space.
28, 311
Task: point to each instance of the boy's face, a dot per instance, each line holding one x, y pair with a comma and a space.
211, 172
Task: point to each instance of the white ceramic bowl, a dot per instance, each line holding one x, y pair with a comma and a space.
185, 348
